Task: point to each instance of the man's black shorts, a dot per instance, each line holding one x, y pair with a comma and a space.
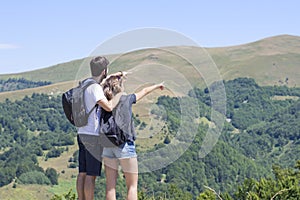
90, 154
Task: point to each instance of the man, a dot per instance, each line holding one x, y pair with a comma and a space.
90, 150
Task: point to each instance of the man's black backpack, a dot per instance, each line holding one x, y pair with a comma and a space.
74, 105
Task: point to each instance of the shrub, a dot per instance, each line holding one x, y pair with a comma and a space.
34, 177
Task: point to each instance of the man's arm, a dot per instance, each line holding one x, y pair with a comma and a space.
147, 90
120, 73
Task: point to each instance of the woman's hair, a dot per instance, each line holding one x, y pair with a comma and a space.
112, 86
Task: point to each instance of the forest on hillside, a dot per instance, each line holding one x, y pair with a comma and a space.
259, 143
13, 84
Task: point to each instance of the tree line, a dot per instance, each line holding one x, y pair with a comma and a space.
12, 84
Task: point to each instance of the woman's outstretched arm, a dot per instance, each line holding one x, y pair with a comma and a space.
139, 95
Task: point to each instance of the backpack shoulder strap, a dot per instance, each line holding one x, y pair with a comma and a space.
85, 84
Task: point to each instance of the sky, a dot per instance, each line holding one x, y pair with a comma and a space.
37, 34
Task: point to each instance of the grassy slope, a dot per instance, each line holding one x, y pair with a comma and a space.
269, 61
37, 192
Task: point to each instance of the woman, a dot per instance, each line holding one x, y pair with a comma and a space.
125, 154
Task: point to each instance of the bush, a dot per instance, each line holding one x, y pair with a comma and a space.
54, 152
72, 165
52, 176
34, 177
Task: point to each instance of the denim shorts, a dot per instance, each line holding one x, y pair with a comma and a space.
126, 150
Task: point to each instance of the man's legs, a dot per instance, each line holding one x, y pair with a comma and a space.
80, 185
82, 170
85, 186
89, 166
89, 187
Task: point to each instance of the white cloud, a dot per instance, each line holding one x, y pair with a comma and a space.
9, 46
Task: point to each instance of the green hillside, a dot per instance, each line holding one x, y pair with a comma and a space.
61, 72
261, 131
278, 56
260, 134
274, 53
269, 61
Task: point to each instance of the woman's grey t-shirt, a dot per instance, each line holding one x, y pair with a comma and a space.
123, 115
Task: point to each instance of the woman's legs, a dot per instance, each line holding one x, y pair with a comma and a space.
130, 169
111, 173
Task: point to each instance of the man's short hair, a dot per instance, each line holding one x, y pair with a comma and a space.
98, 64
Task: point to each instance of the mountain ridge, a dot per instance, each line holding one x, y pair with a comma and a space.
270, 61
